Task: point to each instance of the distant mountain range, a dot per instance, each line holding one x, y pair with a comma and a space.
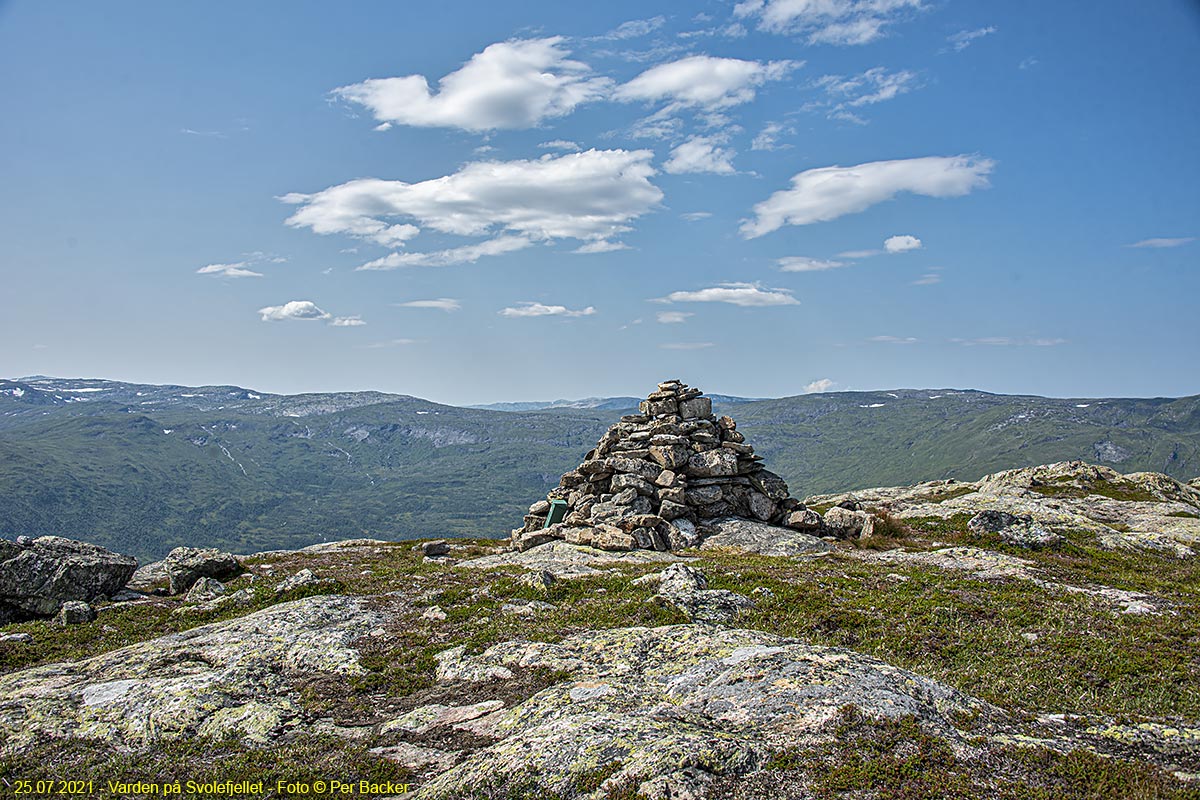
143, 468
622, 404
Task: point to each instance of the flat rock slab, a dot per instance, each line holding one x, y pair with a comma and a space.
761, 538
225, 679
654, 700
563, 560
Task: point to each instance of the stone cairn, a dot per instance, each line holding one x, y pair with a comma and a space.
656, 478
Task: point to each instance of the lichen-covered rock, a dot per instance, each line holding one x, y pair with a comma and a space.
757, 537
183, 566
565, 560
846, 524
674, 706
38, 575
226, 679
205, 590
1138, 510
75, 612
1015, 529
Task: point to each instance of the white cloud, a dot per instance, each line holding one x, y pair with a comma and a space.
963, 39
873, 86
806, 264
704, 82
600, 246
347, 322
391, 343
529, 309
738, 294
673, 317
559, 144
768, 137
695, 216
516, 84
293, 309
894, 339
822, 385
901, 244
842, 22
686, 345
447, 304
928, 279
819, 195
467, 254
701, 154
635, 28
1008, 341
238, 269
1028, 63
588, 196
1177, 242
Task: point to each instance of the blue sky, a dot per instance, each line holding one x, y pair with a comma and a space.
473, 202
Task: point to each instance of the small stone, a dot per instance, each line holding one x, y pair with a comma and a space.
666, 479
696, 407
726, 423
713, 463
761, 506
628, 481
770, 484
204, 590
303, 579
802, 520
434, 614
672, 456
438, 547
541, 507
74, 612
542, 579
625, 497
22, 638
608, 537
670, 510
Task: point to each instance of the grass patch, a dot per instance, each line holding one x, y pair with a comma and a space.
898, 760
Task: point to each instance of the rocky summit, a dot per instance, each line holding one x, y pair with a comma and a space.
1032, 635
657, 478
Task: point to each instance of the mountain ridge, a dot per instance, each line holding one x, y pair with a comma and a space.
144, 473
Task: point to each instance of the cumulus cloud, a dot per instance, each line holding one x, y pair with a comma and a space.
705, 82
447, 304
306, 310
819, 195
901, 244
239, 269
686, 345
467, 254
701, 154
1177, 242
516, 84
963, 39
840, 22
806, 264
673, 317
738, 294
822, 385
529, 309
589, 196
293, 309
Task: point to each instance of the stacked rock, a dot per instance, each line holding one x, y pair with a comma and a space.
656, 476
